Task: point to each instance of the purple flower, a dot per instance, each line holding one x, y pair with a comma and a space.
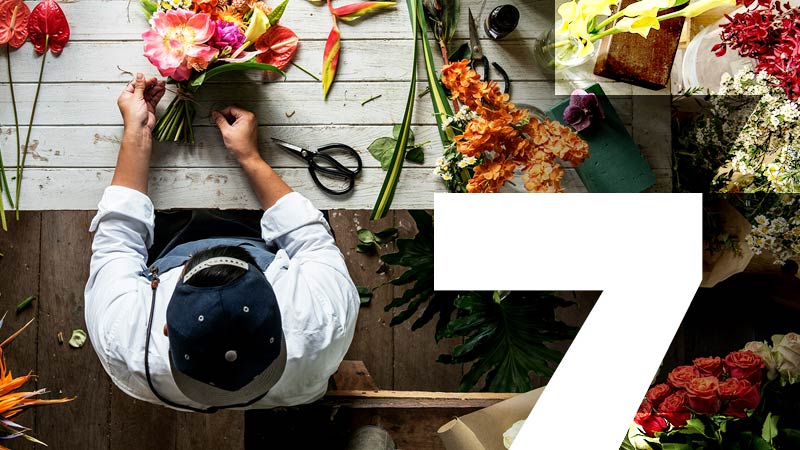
227, 37
583, 108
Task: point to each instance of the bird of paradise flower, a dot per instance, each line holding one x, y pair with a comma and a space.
13, 402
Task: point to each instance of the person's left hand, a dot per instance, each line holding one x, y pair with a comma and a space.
138, 101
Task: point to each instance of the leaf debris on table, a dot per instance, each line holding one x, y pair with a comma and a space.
383, 148
77, 339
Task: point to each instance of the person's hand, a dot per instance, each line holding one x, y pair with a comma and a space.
239, 130
138, 101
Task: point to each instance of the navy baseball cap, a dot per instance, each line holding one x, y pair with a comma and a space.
226, 343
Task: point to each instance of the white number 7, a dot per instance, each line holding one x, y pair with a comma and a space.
644, 251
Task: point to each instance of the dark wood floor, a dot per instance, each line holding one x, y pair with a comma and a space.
46, 254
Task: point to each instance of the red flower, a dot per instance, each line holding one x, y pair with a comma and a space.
657, 393
673, 408
745, 365
682, 375
48, 28
740, 395
701, 395
650, 422
14, 22
709, 366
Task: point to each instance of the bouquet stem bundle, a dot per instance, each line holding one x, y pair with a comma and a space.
176, 122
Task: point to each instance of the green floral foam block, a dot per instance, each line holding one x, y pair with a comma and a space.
615, 163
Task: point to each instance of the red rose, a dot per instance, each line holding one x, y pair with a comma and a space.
745, 365
673, 408
701, 395
657, 393
682, 375
650, 423
740, 394
709, 366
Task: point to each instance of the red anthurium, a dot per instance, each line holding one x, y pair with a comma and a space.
330, 58
14, 22
48, 28
355, 10
278, 46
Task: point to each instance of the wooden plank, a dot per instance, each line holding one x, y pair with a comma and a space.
271, 102
133, 422
413, 399
54, 146
415, 352
19, 278
66, 245
310, 20
373, 342
223, 430
362, 60
410, 429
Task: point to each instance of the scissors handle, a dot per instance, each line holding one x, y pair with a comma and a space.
333, 167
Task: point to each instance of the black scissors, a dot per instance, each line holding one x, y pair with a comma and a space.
321, 163
478, 56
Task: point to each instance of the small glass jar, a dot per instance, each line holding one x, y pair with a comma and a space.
501, 21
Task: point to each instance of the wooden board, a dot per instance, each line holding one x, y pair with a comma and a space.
62, 369
19, 278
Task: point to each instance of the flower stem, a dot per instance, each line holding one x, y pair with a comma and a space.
608, 21
16, 129
21, 167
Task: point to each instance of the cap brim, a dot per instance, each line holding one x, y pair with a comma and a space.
208, 395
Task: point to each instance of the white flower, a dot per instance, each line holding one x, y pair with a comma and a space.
447, 177
471, 160
462, 164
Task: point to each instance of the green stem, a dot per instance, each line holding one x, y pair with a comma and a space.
21, 167
603, 34
608, 21
16, 126
671, 15
307, 71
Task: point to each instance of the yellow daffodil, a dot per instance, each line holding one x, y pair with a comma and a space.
701, 6
259, 22
638, 25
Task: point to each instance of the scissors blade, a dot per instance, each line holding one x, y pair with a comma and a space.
474, 43
287, 145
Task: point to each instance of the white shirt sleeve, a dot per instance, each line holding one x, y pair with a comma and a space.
123, 230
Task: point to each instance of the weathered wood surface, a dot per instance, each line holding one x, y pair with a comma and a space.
77, 125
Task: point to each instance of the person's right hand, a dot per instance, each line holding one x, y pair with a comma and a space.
239, 129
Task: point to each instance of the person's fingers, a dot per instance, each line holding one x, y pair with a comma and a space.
220, 120
139, 85
157, 93
129, 88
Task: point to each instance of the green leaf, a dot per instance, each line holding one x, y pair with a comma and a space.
416, 155
23, 305
441, 104
396, 133
198, 81
463, 52
386, 236
363, 247
364, 294
77, 339
770, 428
675, 446
386, 194
382, 149
365, 236
277, 13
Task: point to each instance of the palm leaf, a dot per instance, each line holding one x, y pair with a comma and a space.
505, 337
396, 164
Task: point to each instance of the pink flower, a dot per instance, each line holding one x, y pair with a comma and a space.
176, 43
227, 37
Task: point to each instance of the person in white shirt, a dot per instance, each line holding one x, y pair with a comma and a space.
227, 321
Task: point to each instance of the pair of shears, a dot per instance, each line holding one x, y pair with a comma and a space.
477, 55
328, 173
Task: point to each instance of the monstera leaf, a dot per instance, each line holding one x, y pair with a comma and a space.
505, 335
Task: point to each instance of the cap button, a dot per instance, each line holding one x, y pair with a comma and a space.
231, 355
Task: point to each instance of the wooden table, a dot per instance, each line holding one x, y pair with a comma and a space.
77, 128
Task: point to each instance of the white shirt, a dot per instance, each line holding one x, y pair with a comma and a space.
317, 299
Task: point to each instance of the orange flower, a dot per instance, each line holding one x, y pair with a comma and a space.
507, 139
206, 6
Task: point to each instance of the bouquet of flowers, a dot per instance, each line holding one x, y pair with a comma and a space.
747, 400
755, 127
768, 32
191, 41
777, 230
493, 140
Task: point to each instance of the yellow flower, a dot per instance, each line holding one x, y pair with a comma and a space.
259, 22
593, 8
647, 8
701, 6
569, 13
638, 25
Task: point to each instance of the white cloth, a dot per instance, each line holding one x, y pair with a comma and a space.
317, 299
